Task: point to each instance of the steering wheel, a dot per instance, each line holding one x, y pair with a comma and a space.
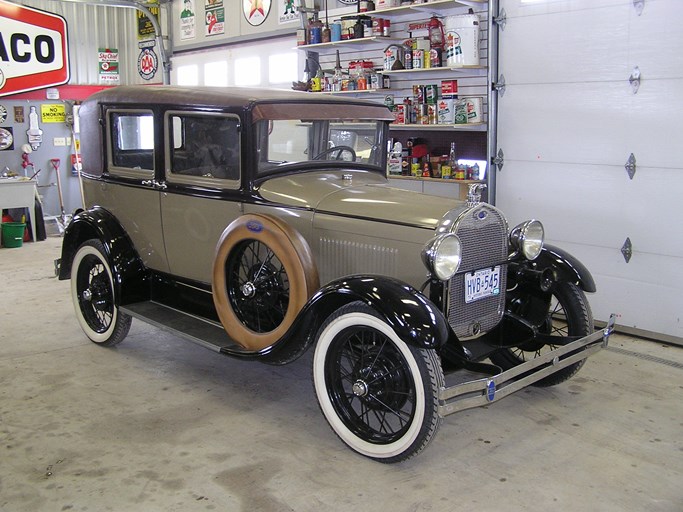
336, 149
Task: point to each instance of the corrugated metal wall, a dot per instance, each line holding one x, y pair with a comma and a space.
92, 27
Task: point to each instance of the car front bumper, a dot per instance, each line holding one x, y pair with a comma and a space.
480, 392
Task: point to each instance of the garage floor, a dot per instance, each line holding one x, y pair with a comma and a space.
159, 424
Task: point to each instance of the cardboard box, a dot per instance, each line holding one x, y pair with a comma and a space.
449, 88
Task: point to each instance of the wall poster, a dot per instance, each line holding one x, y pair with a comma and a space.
187, 20
286, 11
214, 21
145, 27
108, 66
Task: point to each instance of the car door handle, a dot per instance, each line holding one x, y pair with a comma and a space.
155, 184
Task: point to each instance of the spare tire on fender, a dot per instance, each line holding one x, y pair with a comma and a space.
263, 275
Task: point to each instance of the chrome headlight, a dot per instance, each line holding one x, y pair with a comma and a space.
527, 237
442, 255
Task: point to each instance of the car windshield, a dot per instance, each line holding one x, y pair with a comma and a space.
283, 142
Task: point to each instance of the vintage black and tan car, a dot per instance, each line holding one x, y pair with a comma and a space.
260, 224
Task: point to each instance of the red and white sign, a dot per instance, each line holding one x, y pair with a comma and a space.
33, 49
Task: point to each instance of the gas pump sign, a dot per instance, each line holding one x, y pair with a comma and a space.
33, 49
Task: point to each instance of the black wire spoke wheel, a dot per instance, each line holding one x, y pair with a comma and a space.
258, 286
94, 297
379, 394
566, 314
373, 389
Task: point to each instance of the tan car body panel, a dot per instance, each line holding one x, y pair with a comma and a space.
360, 225
139, 212
364, 195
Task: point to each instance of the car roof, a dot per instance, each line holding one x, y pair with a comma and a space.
240, 97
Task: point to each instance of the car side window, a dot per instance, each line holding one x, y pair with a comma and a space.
131, 142
203, 148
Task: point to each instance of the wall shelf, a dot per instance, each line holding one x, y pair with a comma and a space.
364, 41
474, 127
360, 91
438, 180
455, 69
428, 7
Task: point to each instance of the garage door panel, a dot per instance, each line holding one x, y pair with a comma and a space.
656, 39
584, 122
556, 47
568, 120
517, 8
656, 130
622, 288
593, 205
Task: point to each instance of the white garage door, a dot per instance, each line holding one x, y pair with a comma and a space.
569, 120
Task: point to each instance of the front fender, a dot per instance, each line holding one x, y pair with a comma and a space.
414, 318
565, 267
126, 265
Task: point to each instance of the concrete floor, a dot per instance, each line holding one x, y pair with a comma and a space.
159, 424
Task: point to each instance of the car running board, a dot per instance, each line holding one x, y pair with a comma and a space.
198, 330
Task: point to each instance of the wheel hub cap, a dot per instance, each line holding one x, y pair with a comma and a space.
360, 388
248, 289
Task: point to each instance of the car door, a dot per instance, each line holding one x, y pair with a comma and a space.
202, 194
129, 189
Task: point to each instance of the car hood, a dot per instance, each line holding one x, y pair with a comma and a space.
365, 195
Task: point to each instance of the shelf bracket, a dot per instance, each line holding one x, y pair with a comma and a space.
639, 5
627, 250
499, 86
634, 79
501, 19
631, 166
499, 160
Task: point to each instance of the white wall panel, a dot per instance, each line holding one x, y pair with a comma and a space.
596, 205
657, 39
516, 8
565, 122
568, 121
573, 46
645, 292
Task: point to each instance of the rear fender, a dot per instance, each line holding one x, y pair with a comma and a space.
125, 263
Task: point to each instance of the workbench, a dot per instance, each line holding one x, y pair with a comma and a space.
19, 193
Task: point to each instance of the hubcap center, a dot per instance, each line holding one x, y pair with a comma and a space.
248, 289
360, 388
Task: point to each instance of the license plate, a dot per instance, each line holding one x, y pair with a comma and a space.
482, 283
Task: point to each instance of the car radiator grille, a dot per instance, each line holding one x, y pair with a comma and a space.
483, 234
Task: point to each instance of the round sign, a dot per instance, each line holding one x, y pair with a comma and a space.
255, 11
6, 139
147, 63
